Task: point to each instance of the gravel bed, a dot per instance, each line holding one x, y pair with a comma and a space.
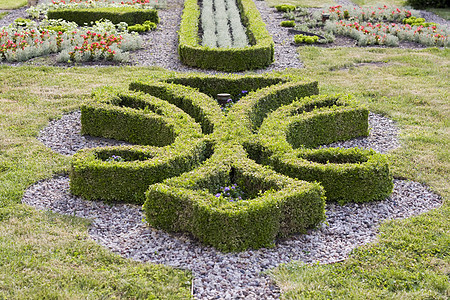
63, 135
120, 228
382, 136
219, 275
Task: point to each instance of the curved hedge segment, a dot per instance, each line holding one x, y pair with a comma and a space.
262, 147
257, 56
137, 118
354, 175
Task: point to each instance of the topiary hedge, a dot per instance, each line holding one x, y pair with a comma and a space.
82, 16
136, 118
263, 146
288, 135
276, 206
257, 56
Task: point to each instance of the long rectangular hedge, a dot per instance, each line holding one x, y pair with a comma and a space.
129, 15
257, 56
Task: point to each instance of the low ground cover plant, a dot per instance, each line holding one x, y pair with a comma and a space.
300, 38
24, 40
222, 26
146, 26
287, 24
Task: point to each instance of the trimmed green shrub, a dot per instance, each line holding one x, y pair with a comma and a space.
285, 7
287, 24
428, 3
413, 21
136, 118
147, 26
348, 175
263, 148
300, 38
129, 15
258, 55
277, 206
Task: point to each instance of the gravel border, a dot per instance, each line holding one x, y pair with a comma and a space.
217, 275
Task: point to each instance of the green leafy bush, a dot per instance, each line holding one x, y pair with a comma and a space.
258, 55
136, 118
116, 15
348, 175
147, 26
287, 24
413, 21
285, 7
277, 207
300, 38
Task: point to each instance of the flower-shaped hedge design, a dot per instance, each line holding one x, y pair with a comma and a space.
265, 145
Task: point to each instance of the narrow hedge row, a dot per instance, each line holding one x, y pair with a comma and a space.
257, 56
199, 106
348, 175
140, 118
81, 16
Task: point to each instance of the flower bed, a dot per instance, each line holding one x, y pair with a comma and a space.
102, 41
232, 195
381, 25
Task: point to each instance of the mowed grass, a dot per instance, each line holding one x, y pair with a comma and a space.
444, 13
12, 4
411, 258
49, 256
45, 255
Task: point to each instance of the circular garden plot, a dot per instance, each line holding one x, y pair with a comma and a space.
264, 147
229, 182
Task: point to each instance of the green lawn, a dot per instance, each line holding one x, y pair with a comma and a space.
410, 259
12, 4
45, 255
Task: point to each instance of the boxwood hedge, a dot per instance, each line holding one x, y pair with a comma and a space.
289, 133
265, 145
129, 15
136, 118
192, 53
